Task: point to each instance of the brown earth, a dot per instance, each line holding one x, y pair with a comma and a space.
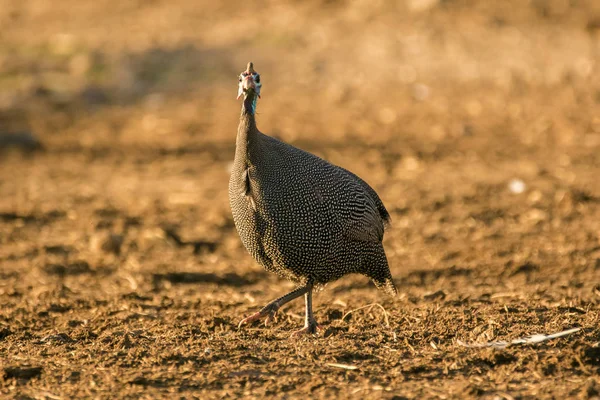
121, 274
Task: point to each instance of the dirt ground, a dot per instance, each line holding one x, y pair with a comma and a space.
122, 275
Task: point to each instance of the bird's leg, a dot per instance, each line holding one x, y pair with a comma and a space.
310, 324
270, 309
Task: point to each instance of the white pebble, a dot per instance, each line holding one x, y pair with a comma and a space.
517, 186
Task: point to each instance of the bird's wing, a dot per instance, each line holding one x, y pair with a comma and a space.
364, 216
364, 222
383, 213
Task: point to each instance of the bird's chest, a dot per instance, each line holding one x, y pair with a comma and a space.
248, 212
283, 215
243, 206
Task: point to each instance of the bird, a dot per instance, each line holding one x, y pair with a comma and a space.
301, 217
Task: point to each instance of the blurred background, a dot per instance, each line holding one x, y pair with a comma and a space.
478, 122
158, 74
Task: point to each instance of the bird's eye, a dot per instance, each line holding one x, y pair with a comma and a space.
240, 79
257, 79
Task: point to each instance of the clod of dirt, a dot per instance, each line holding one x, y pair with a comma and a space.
593, 25
591, 390
591, 356
135, 296
22, 372
438, 295
106, 242
229, 279
126, 342
501, 358
59, 308
4, 333
142, 381
24, 141
526, 268
199, 245
60, 250
108, 212
489, 216
75, 268
11, 216
424, 277
332, 315
583, 196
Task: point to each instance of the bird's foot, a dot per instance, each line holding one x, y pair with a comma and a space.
268, 311
310, 328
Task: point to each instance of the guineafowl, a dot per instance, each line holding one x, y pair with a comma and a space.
299, 216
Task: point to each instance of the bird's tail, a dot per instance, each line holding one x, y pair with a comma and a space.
387, 285
379, 272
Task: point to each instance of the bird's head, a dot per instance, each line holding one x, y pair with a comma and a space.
249, 82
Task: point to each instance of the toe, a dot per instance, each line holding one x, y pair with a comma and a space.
249, 319
269, 313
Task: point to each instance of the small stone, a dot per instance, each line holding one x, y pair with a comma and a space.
517, 186
107, 242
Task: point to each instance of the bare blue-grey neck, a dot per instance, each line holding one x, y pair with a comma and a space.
247, 130
249, 105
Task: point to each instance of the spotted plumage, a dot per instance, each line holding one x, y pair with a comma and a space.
300, 216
